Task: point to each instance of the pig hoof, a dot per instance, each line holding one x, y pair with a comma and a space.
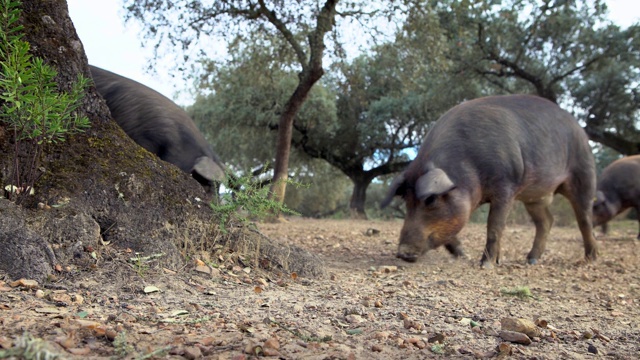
407, 257
486, 265
532, 261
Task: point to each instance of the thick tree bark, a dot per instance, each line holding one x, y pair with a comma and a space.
285, 132
99, 191
359, 197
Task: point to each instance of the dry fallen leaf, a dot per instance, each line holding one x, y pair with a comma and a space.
29, 284
80, 351
151, 289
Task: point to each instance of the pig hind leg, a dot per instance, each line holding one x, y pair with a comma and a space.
496, 223
580, 192
543, 220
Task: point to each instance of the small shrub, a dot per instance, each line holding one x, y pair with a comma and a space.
30, 104
248, 201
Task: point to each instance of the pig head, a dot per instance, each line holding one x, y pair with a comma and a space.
436, 212
159, 125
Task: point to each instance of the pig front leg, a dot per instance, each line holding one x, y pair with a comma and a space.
496, 223
454, 247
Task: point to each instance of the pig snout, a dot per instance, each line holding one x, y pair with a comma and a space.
414, 241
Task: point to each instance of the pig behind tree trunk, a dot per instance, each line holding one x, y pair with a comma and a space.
495, 150
618, 189
159, 125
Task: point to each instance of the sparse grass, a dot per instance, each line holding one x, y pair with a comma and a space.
121, 346
438, 349
523, 292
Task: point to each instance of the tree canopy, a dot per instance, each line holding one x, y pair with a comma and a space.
566, 51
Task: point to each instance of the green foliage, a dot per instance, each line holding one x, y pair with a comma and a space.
32, 107
249, 200
522, 292
121, 345
566, 51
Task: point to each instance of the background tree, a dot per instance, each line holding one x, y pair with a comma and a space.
302, 25
566, 51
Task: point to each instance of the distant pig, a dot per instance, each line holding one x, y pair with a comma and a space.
159, 125
495, 150
618, 189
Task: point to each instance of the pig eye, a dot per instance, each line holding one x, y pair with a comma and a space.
429, 200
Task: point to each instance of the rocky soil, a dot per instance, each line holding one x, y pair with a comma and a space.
369, 305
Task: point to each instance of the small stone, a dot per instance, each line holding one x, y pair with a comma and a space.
523, 326
515, 337
381, 335
387, 269
192, 352
376, 348
272, 343
77, 299
505, 349
437, 338
354, 319
592, 349
203, 269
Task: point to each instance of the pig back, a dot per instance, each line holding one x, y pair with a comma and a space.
525, 141
620, 181
152, 120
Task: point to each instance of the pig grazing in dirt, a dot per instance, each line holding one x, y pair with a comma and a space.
159, 125
618, 189
495, 150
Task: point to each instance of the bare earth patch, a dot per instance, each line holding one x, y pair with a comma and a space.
369, 305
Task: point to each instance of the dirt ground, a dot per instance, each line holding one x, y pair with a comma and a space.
370, 305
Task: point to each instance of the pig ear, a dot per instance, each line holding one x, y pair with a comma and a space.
208, 169
434, 182
599, 198
396, 188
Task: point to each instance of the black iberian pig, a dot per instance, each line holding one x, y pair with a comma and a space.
495, 150
618, 189
158, 125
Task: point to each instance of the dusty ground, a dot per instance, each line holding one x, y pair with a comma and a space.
369, 306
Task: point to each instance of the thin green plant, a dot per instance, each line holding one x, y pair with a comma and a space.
522, 292
31, 107
249, 200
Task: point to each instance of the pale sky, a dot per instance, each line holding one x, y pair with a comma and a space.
111, 45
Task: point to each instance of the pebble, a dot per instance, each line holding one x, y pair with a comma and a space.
515, 337
192, 352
